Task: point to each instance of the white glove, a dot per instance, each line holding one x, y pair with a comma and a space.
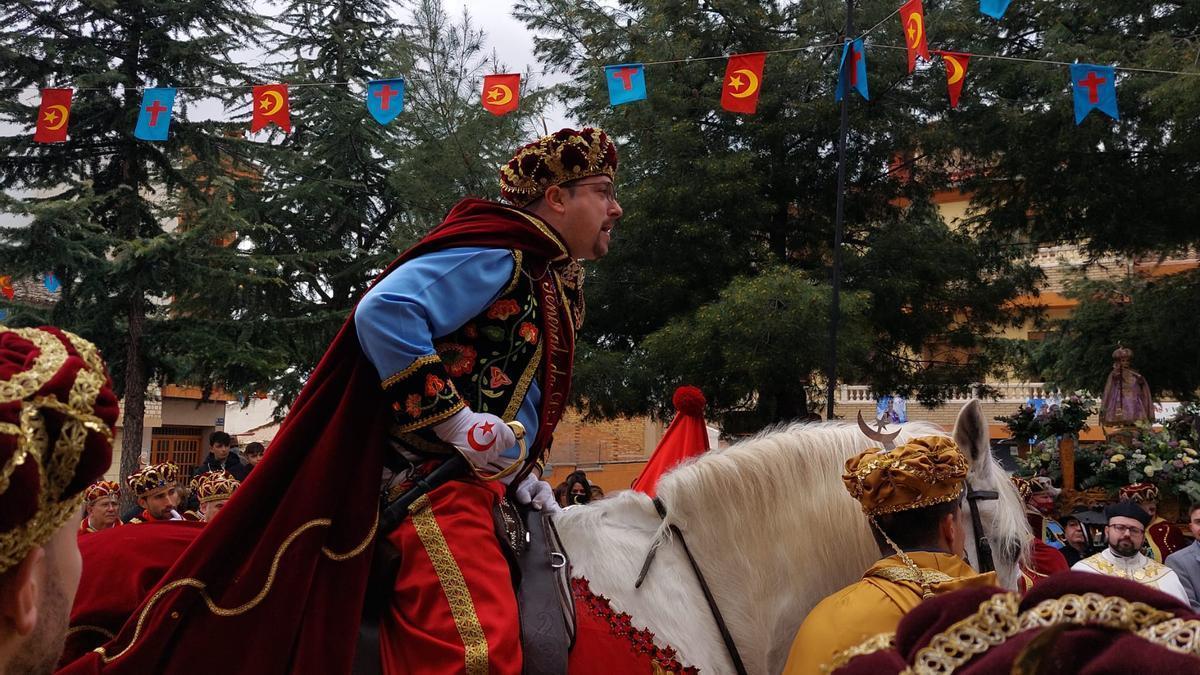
537, 492
481, 436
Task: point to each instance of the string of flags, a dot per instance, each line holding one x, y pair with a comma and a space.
1093, 86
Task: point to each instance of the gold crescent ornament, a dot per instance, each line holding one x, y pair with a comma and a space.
274, 97
506, 96
917, 26
62, 111
750, 88
956, 68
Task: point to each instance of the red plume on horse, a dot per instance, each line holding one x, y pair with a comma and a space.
686, 437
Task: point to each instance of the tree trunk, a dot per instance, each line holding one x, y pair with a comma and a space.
135, 398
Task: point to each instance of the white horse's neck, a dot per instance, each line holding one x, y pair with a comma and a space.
772, 528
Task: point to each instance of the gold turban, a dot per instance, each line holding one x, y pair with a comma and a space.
923, 472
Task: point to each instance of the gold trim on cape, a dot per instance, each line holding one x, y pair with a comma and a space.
871, 645
454, 586
202, 587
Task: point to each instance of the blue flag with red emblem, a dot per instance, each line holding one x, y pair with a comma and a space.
854, 66
385, 99
154, 119
626, 83
1095, 89
994, 8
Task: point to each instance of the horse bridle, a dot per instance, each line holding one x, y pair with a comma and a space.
983, 546
726, 636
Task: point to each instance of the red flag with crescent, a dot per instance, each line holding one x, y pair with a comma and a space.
912, 18
52, 116
956, 73
743, 81
501, 93
271, 107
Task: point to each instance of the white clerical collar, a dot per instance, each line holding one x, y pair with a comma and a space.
1137, 560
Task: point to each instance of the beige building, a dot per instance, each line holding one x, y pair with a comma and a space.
176, 427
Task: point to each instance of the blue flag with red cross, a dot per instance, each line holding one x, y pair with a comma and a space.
626, 83
154, 118
385, 99
853, 65
1095, 89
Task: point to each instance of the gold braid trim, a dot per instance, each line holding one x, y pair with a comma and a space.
997, 620
922, 576
75, 630
454, 586
412, 368
544, 229
202, 587
871, 645
913, 568
522, 388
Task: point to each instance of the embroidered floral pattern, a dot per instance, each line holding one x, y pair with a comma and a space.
423, 394
457, 358
502, 309
433, 385
664, 659
528, 332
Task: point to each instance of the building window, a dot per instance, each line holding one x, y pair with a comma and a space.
179, 445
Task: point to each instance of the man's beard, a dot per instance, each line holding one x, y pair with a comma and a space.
43, 648
1125, 548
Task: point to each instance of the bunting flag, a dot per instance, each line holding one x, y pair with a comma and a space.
51, 282
385, 99
52, 116
154, 119
956, 73
854, 53
6, 287
1095, 89
626, 83
912, 18
743, 81
501, 93
994, 8
271, 107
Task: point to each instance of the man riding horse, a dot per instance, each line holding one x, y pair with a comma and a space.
470, 329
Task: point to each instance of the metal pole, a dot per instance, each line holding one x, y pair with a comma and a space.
839, 215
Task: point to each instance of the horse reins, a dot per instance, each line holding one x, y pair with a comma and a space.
983, 547
726, 636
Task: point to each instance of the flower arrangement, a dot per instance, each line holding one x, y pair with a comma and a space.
1151, 456
1067, 418
1041, 460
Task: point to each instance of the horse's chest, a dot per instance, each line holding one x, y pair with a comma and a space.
607, 642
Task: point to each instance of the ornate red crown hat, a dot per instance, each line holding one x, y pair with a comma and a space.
563, 156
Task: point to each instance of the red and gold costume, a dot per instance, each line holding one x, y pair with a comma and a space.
147, 480
1162, 537
96, 491
1072, 623
297, 580
1044, 559
57, 410
923, 473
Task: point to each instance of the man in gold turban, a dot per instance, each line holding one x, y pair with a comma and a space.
911, 495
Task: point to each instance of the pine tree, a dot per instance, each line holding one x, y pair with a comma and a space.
344, 195
135, 231
714, 200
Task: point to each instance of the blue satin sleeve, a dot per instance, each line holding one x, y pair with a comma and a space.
427, 298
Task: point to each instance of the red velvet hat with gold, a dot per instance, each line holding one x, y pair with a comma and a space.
101, 489
1139, 493
212, 486
148, 479
561, 157
57, 410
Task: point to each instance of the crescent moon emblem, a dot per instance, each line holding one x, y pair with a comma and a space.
62, 111
751, 88
476, 445
956, 69
505, 93
275, 98
917, 28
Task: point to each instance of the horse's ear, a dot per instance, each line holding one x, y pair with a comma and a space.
971, 431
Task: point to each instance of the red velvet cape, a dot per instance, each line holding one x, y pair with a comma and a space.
276, 584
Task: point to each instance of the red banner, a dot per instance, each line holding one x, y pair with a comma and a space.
956, 72
52, 117
742, 83
271, 107
501, 93
912, 18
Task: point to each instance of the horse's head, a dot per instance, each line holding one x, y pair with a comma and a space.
997, 505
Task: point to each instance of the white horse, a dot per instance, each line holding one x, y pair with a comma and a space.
773, 530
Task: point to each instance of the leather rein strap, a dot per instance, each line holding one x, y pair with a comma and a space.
726, 636
983, 547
